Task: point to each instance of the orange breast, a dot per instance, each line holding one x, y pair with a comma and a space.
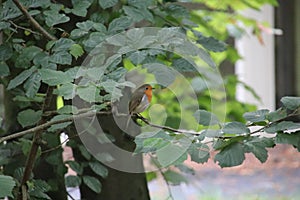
149, 94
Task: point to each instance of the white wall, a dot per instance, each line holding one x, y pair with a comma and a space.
257, 68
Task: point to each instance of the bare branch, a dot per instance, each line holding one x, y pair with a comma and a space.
50, 123
33, 21
167, 127
23, 28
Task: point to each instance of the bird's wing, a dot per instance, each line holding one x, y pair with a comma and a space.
133, 104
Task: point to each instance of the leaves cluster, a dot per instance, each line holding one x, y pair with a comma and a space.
232, 140
89, 61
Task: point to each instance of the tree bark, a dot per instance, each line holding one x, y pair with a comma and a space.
118, 184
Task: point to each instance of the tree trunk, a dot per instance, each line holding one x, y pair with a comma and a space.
118, 184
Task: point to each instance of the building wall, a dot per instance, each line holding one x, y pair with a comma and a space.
257, 68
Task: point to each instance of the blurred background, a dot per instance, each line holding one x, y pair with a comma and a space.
270, 65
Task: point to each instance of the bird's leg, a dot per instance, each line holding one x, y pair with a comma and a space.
140, 116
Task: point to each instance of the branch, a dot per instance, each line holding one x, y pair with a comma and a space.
167, 127
33, 21
293, 114
50, 123
154, 160
23, 28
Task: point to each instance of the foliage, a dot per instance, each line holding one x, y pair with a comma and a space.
71, 63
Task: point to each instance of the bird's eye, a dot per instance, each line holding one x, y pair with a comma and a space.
146, 88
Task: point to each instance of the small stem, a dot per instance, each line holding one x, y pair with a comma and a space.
34, 23
23, 28
163, 175
167, 127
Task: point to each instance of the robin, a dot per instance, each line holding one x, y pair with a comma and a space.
140, 99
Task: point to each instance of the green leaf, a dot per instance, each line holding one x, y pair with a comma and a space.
177, 11
66, 90
199, 84
7, 184
4, 25
72, 181
61, 57
286, 138
84, 152
6, 52
42, 59
258, 147
19, 79
282, 126
95, 73
210, 43
119, 24
140, 3
94, 39
206, 118
85, 25
151, 176
67, 109
77, 33
4, 69
107, 3
26, 145
89, 93
291, 103
75, 166
277, 115
138, 57
199, 152
169, 154
235, 128
182, 65
231, 155
38, 189
80, 7
63, 44
174, 177
27, 54
93, 183
99, 169
138, 14
185, 169
212, 133
53, 77
29, 117
59, 126
32, 84
256, 116
53, 18
76, 50
153, 144
164, 75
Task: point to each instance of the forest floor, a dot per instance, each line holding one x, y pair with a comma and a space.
278, 178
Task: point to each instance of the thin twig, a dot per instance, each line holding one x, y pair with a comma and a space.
163, 175
58, 146
34, 23
167, 127
23, 28
70, 195
50, 123
293, 114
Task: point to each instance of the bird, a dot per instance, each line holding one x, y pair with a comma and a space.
140, 99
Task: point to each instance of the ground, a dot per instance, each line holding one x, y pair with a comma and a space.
277, 178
